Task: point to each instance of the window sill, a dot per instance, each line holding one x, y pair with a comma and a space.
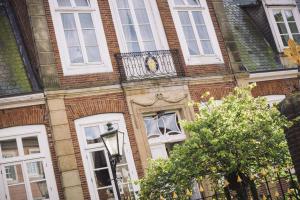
203, 60
84, 69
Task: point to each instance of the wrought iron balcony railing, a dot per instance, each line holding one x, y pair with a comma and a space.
149, 65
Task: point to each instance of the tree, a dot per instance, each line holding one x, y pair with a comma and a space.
233, 141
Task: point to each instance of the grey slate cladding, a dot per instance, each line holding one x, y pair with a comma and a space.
256, 54
13, 77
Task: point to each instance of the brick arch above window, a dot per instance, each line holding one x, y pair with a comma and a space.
20, 116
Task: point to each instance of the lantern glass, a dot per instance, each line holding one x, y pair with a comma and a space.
113, 140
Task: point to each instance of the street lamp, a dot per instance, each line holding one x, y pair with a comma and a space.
113, 141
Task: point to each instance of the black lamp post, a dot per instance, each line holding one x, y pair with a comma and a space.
113, 141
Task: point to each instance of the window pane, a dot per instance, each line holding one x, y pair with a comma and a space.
178, 2
102, 178
293, 27
35, 170
39, 190
81, 2
30, 145
68, 21
184, 18
75, 55
125, 16
202, 31
289, 15
285, 39
151, 127
297, 38
98, 159
86, 20
138, 3
170, 123
198, 18
17, 192
278, 15
149, 46
188, 33
123, 173
106, 193
207, 47
72, 38
62, 3
93, 54
9, 148
14, 174
133, 47
142, 16
129, 32
89, 37
122, 4
193, 47
193, 2
146, 32
282, 28
92, 134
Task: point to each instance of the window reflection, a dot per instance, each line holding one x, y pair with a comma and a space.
9, 148
30, 145
39, 190
92, 134
35, 171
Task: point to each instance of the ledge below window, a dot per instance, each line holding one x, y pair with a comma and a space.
203, 60
84, 69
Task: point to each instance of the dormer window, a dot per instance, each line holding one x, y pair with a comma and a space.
80, 37
284, 21
196, 32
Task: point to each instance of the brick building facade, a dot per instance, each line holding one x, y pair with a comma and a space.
79, 64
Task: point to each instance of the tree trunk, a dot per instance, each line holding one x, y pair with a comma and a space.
239, 187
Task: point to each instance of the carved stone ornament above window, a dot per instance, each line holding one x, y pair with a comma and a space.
160, 96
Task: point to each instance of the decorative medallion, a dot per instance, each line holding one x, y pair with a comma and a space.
151, 64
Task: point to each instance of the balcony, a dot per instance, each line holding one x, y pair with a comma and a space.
149, 65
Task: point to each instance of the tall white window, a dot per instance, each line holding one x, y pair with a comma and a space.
284, 21
80, 36
196, 32
138, 24
96, 162
25, 164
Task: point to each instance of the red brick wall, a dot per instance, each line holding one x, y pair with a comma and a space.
87, 106
33, 115
275, 87
173, 41
111, 78
217, 90
91, 79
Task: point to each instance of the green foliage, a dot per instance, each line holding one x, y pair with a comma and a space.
243, 134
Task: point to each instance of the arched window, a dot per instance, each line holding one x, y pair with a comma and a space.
25, 164
95, 158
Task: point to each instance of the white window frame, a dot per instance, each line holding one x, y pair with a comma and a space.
18, 133
217, 57
81, 68
159, 34
269, 6
85, 148
158, 144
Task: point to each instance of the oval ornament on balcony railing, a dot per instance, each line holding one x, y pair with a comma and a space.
151, 64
